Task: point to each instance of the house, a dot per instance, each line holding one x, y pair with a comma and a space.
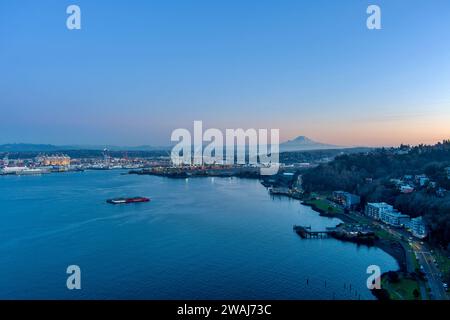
417, 227
396, 182
298, 183
441, 192
406, 188
421, 179
447, 170
374, 210
346, 199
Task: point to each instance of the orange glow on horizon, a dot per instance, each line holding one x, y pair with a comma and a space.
374, 134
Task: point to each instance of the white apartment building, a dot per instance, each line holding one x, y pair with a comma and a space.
374, 210
417, 227
394, 218
386, 213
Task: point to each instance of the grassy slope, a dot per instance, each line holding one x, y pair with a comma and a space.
443, 263
402, 290
324, 206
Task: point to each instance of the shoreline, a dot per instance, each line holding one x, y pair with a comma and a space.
322, 213
388, 246
392, 248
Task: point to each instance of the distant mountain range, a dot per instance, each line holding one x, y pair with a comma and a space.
28, 147
300, 143
303, 143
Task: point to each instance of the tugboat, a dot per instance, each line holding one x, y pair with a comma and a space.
127, 200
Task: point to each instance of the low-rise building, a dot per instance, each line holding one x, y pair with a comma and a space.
394, 218
386, 213
396, 182
298, 183
406, 188
421, 179
346, 199
440, 192
374, 210
417, 227
13, 170
54, 160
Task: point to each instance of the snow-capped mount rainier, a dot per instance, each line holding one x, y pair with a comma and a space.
303, 143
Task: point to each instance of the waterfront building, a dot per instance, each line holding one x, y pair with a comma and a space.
13, 170
417, 227
279, 191
5, 160
306, 165
447, 170
394, 218
386, 214
374, 210
288, 174
54, 161
346, 199
298, 183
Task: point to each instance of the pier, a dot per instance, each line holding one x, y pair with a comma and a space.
307, 233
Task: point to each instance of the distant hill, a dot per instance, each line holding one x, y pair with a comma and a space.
303, 143
26, 147
117, 148
300, 143
369, 175
29, 147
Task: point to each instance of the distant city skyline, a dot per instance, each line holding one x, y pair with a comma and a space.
135, 72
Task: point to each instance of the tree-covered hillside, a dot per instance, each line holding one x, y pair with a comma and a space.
369, 175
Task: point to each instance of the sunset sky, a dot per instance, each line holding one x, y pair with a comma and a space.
137, 70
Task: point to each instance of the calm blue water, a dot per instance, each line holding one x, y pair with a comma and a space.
203, 238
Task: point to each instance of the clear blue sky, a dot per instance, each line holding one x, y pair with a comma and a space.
139, 69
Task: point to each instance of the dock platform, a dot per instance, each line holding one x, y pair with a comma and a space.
307, 233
